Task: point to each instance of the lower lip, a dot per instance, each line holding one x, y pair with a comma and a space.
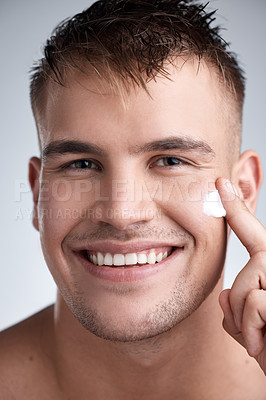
127, 274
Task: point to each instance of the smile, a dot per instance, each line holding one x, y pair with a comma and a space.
119, 260
124, 264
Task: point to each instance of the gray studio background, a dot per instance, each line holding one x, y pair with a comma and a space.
25, 283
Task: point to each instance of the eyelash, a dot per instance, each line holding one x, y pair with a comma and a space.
84, 160
180, 162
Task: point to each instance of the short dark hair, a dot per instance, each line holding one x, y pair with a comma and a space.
129, 42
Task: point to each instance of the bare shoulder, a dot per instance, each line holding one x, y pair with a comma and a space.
23, 339
25, 351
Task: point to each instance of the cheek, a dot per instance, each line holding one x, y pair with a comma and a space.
62, 205
207, 254
183, 203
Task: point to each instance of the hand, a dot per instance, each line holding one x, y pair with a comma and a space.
244, 305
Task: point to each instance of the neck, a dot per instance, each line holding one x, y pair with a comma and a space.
179, 363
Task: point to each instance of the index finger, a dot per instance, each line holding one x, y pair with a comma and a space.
246, 226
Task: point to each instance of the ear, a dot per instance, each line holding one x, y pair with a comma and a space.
247, 177
34, 174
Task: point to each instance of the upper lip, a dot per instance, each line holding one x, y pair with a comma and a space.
122, 248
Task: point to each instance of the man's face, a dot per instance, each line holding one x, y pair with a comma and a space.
139, 190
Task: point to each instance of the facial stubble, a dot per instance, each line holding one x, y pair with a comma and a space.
182, 301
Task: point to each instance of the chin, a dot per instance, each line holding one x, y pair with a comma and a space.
130, 324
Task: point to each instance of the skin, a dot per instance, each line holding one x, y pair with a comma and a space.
161, 337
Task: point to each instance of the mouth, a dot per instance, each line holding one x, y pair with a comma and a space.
127, 260
120, 264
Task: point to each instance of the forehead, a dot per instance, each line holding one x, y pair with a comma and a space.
190, 102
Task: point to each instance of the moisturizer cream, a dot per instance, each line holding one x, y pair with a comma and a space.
212, 205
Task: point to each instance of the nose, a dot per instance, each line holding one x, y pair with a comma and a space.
123, 203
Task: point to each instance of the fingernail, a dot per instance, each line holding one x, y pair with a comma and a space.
231, 188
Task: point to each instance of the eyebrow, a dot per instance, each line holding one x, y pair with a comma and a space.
62, 146
175, 142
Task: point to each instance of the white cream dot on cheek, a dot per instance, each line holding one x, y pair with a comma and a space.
212, 205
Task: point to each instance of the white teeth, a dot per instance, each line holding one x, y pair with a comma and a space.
142, 258
159, 257
152, 258
131, 258
108, 259
99, 258
119, 259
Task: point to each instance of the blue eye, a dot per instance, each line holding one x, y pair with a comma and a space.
84, 164
169, 162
